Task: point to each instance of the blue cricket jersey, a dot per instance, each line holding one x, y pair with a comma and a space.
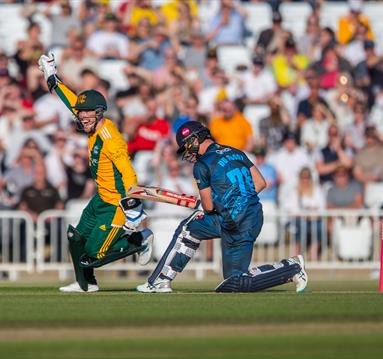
227, 171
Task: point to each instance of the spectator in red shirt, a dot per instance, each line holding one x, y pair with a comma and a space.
148, 130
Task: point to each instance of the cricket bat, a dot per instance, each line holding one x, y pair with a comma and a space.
162, 195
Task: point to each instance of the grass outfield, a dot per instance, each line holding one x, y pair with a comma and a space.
330, 320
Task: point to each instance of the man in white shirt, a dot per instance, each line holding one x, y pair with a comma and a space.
258, 85
109, 43
289, 160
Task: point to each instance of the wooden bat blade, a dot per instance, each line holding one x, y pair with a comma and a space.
163, 195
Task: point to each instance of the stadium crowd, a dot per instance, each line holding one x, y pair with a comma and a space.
319, 144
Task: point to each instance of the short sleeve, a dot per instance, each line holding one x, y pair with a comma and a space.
201, 175
248, 162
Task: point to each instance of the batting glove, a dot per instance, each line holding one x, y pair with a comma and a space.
47, 65
134, 214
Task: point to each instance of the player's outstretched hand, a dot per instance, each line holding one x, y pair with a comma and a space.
47, 65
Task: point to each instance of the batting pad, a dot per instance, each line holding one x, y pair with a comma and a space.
248, 283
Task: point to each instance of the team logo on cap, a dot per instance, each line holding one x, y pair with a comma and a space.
185, 131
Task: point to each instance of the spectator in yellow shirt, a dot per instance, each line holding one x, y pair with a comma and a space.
348, 24
231, 128
288, 66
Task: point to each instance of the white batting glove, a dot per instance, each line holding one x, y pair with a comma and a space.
134, 214
47, 65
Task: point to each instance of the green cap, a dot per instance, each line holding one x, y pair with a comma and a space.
90, 100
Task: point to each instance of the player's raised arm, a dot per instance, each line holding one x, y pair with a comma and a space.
47, 65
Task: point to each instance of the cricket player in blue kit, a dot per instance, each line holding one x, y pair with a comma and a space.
228, 184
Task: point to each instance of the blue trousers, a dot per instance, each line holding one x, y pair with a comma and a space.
237, 247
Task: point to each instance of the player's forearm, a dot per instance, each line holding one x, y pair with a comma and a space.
67, 96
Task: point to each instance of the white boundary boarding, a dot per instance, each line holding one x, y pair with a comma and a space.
352, 242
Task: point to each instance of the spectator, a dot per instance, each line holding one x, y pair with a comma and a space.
369, 160
258, 85
289, 65
75, 59
227, 27
50, 115
332, 156
221, 89
369, 72
354, 133
29, 50
269, 173
171, 67
305, 197
61, 22
108, 43
315, 131
146, 133
305, 106
181, 18
148, 46
271, 40
344, 194
342, 100
309, 42
329, 67
288, 161
24, 134
133, 12
195, 54
273, 127
354, 52
231, 128
39, 196
79, 179
55, 163
348, 24
20, 175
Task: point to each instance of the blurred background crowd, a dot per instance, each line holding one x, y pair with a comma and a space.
303, 98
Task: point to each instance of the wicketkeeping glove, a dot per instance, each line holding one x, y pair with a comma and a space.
134, 213
47, 66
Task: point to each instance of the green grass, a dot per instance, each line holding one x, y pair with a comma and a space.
330, 320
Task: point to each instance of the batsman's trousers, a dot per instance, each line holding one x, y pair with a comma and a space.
100, 224
237, 247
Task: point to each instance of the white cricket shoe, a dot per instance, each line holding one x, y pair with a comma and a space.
300, 279
75, 288
145, 256
159, 286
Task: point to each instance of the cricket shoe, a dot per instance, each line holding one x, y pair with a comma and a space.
159, 286
75, 288
301, 278
147, 240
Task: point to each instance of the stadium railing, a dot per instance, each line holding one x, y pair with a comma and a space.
332, 239
16, 243
52, 248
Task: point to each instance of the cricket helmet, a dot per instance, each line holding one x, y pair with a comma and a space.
90, 100
189, 136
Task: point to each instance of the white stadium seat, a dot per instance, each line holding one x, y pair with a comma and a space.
12, 27
353, 241
230, 56
269, 232
374, 195
254, 114
294, 17
74, 208
331, 12
258, 17
112, 70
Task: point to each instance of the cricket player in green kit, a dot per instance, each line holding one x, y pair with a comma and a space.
108, 227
